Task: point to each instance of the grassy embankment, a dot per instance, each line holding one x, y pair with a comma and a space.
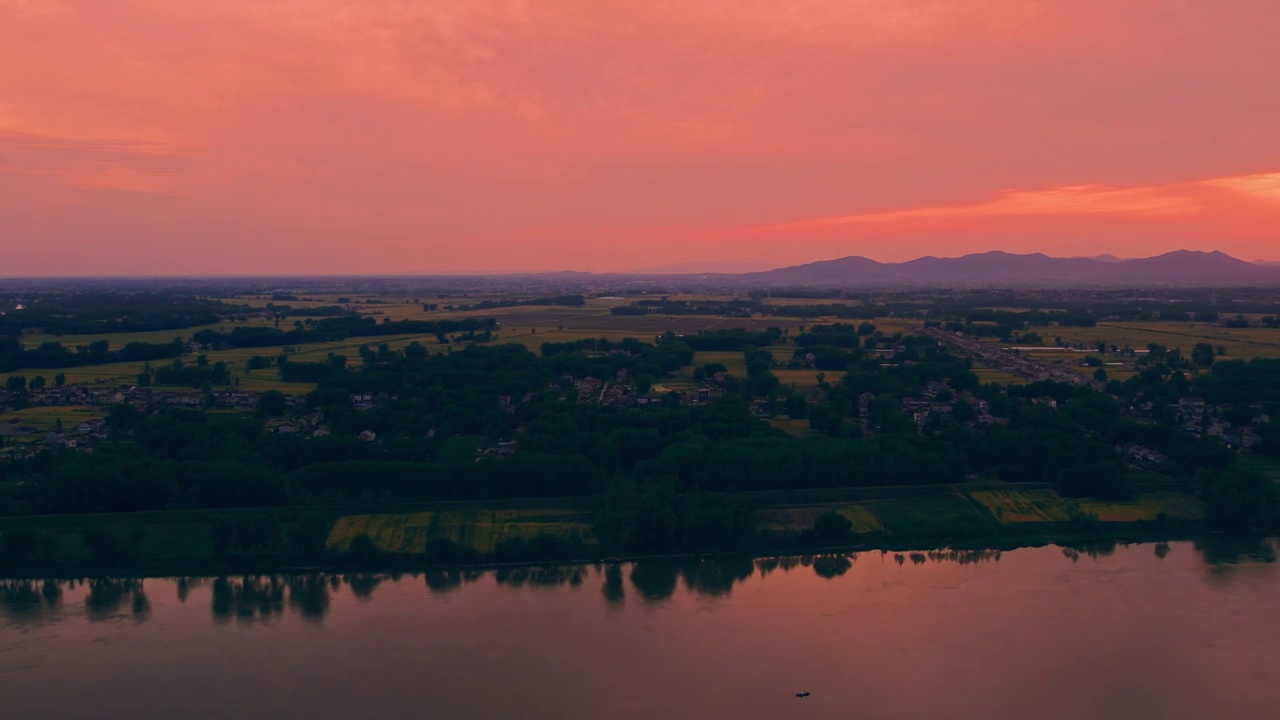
184, 540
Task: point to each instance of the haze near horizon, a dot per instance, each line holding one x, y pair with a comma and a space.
321, 136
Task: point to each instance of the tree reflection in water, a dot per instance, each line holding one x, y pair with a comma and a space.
29, 598
247, 599
655, 580
1221, 552
363, 584
1095, 550
107, 596
540, 575
613, 589
831, 566
716, 576
309, 594
261, 598
442, 581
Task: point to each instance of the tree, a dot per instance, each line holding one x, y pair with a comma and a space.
1240, 499
1203, 354
37, 382
832, 528
59, 380
1100, 374
415, 352
644, 383
272, 403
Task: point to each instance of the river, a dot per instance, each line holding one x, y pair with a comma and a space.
1176, 630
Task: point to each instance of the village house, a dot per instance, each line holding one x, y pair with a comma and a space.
13, 428
56, 440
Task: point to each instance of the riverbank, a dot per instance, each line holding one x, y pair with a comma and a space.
416, 536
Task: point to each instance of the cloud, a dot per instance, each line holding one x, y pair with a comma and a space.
1069, 200
1263, 186
97, 163
553, 132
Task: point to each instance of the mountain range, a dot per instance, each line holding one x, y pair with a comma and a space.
1181, 267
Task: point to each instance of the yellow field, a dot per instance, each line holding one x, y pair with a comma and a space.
1015, 506
1018, 506
734, 361
1243, 343
45, 418
481, 530
804, 379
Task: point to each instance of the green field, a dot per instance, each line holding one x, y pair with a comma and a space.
802, 518
941, 516
734, 362
1268, 465
793, 426
480, 530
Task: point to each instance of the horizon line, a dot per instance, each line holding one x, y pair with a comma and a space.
643, 272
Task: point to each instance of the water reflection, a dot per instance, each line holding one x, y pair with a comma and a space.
363, 585
309, 594
655, 580
1227, 550
540, 575
107, 597
442, 581
1095, 549
247, 599
265, 598
716, 576
29, 598
613, 589
832, 566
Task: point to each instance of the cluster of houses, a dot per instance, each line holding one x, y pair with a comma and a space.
932, 406
616, 392
139, 397
311, 424
1198, 419
29, 440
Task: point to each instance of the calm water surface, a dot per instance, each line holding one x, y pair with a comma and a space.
1143, 631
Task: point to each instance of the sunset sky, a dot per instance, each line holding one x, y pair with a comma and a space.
398, 136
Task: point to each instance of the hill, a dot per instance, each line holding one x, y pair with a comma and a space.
1181, 267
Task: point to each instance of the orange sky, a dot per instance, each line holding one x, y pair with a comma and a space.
340, 136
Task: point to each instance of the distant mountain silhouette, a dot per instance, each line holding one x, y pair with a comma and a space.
1182, 267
